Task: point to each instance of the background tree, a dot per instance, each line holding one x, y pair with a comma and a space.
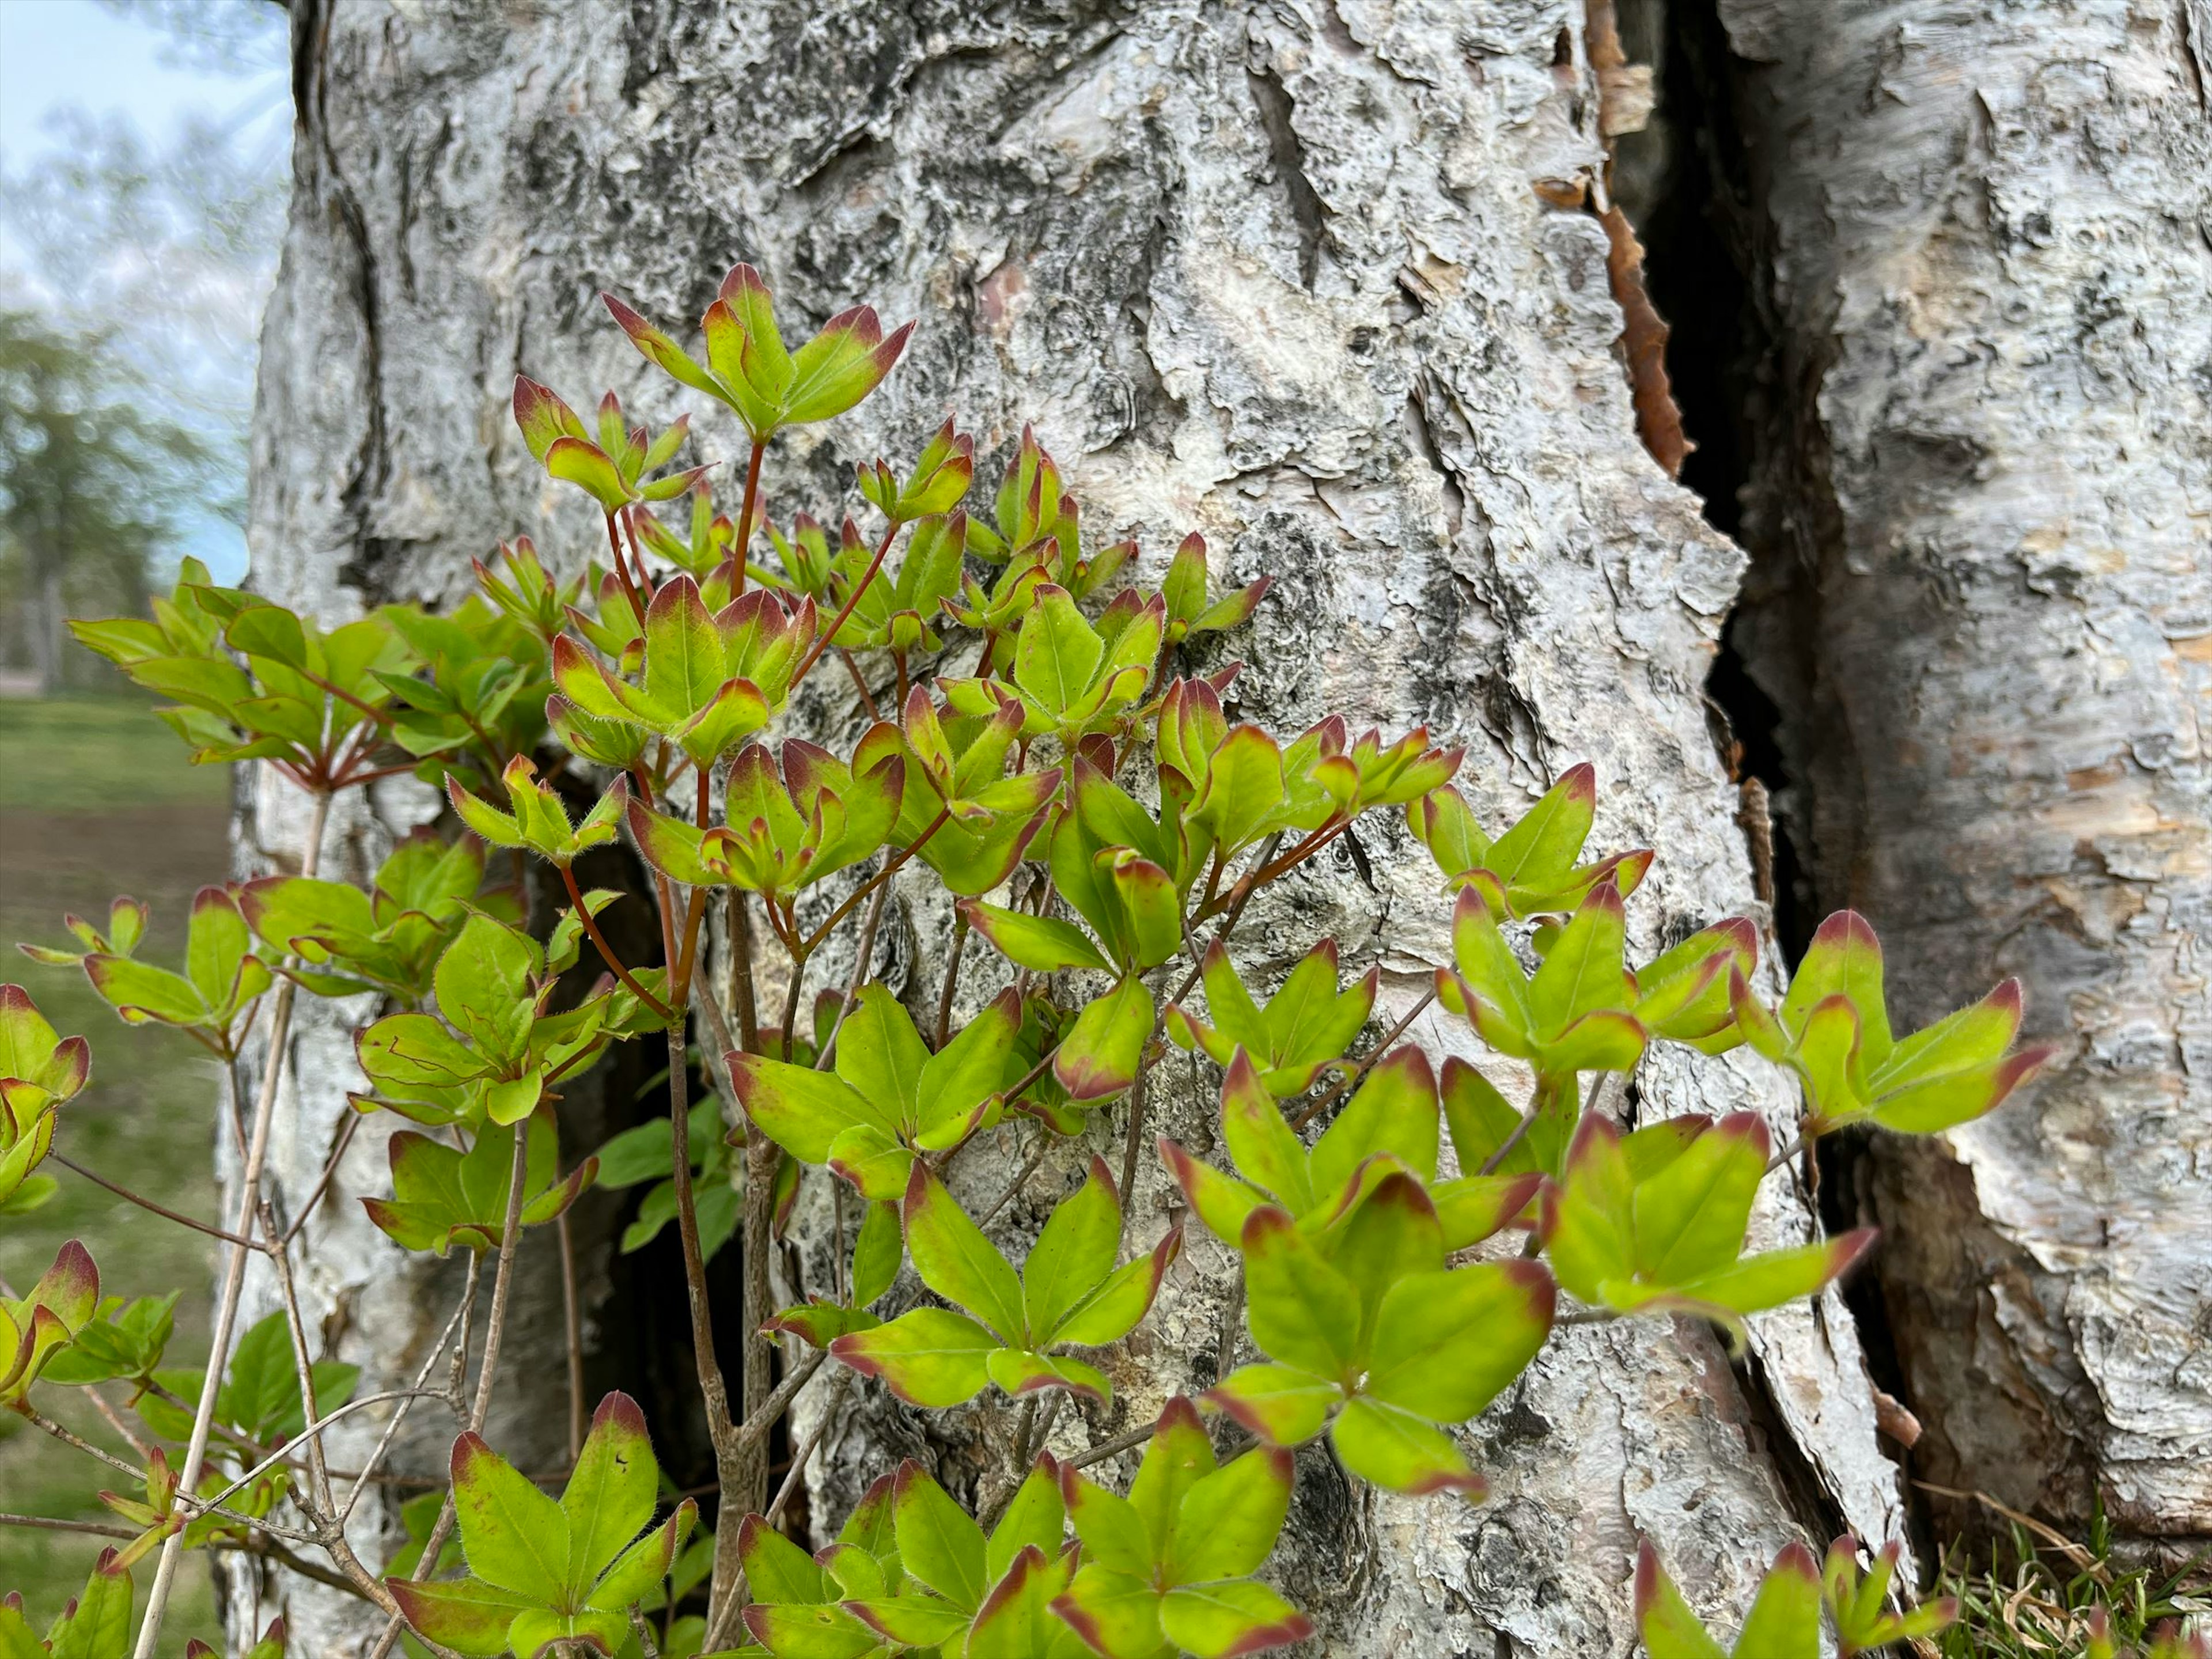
1980, 474
1324, 284
91, 487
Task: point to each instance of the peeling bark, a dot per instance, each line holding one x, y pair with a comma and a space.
1983, 506
1282, 274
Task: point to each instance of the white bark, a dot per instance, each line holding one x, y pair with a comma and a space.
1984, 513
1278, 273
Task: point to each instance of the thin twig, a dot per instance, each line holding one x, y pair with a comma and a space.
495, 1328
892, 865
1224, 1338
1344, 1084
70, 1437
256, 1545
1025, 1426
860, 684
417, 1391
1028, 1168
574, 1330
1106, 1448
1787, 1153
323, 1181
313, 1431
1135, 1137
118, 1422
606, 950
165, 1214
713, 1389
951, 976
756, 1427
860, 961
319, 1471
823, 640
1238, 899
233, 1284
799, 1458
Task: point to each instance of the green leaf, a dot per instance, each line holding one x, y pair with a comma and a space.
1584, 974
882, 1057
877, 1253
1036, 1515
1222, 1201
1116, 1613
1109, 1526
1020, 1371
1544, 845
1111, 1311
514, 1537
777, 1570
1843, 959
1669, 1629
1691, 1216
611, 1493
1768, 1280
140, 992
483, 986
1394, 1111
956, 1261
1784, 1621
1042, 943
97, 1622
911, 1619
1072, 1255
469, 1617
937, 1542
799, 1108
637, 1573
1283, 1405
1587, 1229
1302, 1311
1098, 1057
216, 953
1446, 1343
1177, 1458
1058, 653
1229, 1519
793, 1632
1399, 1451
1242, 1616
1016, 1620
966, 1072
1265, 1152
574, 460
930, 1357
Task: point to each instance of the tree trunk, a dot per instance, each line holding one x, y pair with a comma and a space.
1282, 274
1983, 507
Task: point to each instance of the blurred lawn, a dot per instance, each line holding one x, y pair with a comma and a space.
96, 800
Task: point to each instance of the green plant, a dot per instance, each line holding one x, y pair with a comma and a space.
1381, 1286
2061, 1596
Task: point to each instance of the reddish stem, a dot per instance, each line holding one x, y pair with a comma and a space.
606, 952
822, 641
622, 572
746, 508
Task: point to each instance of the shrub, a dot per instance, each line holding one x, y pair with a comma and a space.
1408, 1240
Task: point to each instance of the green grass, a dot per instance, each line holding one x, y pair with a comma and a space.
98, 798
2035, 1602
82, 754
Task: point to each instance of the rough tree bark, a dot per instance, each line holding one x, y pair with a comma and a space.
1983, 507
1284, 273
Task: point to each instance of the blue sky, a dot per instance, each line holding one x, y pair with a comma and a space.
58, 54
